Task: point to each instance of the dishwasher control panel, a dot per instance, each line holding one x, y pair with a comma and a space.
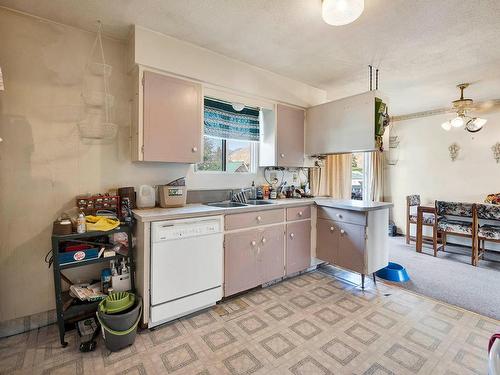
179, 229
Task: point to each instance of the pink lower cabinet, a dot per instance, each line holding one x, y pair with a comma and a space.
327, 240
271, 253
298, 246
351, 249
253, 257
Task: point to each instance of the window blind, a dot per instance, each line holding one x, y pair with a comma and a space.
223, 121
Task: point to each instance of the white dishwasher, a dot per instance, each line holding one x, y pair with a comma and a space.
186, 266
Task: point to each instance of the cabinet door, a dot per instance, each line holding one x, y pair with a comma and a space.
290, 135
351, 250
298, 246
327, 240
271, 253
173, 110
240, 261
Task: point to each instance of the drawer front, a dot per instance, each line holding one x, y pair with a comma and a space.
342, 216
251, 219
298, 213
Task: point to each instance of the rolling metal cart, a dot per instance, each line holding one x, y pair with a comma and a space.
70, 310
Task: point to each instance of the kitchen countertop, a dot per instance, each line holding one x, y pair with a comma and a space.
353, 205
199, 209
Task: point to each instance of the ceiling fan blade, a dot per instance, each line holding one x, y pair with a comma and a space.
487, 106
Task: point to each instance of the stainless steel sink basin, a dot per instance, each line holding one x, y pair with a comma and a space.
257, 202
226, 204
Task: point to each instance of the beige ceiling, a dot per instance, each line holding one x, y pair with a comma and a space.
423, 47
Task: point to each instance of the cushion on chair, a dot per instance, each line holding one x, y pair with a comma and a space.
455, 226
428, 218
490, 232
413, 200
488, 211
444, 208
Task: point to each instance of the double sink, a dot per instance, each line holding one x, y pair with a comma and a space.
229, 204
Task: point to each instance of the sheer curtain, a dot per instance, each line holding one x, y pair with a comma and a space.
375, 176
334, 178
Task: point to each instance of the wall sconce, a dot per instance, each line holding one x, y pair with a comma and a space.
454, 148
496, 151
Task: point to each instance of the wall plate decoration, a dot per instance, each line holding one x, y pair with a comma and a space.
454, 149
496, 151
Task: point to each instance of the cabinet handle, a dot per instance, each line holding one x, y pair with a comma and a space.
263, 240
300, 213
292, 235
342, 231
259, 218
194, 149
253, 243
282, 155
332, 229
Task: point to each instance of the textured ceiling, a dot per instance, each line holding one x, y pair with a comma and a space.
423, 48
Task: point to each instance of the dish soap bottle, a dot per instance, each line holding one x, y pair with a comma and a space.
81, 224
253, 191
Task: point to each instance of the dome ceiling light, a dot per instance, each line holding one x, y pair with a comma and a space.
341, 12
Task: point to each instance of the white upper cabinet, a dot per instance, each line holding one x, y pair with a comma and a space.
342, 126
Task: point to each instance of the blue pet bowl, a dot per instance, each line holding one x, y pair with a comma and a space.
393, 272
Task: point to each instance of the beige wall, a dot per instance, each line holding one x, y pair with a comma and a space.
425, 167
43, 162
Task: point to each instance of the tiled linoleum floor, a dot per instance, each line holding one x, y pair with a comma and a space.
311, 324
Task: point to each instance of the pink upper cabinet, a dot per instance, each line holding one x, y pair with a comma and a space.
290, 136
173, 119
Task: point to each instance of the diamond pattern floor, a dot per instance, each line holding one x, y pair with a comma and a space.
314, 323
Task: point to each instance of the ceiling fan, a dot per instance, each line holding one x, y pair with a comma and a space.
463, 107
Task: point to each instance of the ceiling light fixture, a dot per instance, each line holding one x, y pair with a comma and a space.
462, 106
341, 12
238, 106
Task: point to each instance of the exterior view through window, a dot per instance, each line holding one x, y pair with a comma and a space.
357, 175
226, 155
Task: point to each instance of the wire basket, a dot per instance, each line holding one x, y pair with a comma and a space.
101, 130
98, 98
100, 69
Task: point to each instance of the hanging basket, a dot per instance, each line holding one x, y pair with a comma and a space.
99, 69
100, 130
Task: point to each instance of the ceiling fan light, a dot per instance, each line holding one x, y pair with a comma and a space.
341, 12
457, 122
475, 124
446, 126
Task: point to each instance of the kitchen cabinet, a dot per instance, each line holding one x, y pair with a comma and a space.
327, 240
282, 137
252, 257
298, 246
343, 126
168, 119
354, 239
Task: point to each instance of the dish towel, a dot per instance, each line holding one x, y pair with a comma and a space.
101, 223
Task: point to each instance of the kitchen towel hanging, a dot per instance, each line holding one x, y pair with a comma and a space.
223, 121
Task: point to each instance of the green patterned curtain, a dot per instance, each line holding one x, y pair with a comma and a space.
223, 121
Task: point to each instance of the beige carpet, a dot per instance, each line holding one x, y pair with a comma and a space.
450, 277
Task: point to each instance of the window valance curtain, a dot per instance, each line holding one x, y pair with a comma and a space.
223, 121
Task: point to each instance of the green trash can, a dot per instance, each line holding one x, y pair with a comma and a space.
120, 327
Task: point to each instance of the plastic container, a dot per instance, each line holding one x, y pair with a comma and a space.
172, 196
394, 272
146, 197
119, 330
